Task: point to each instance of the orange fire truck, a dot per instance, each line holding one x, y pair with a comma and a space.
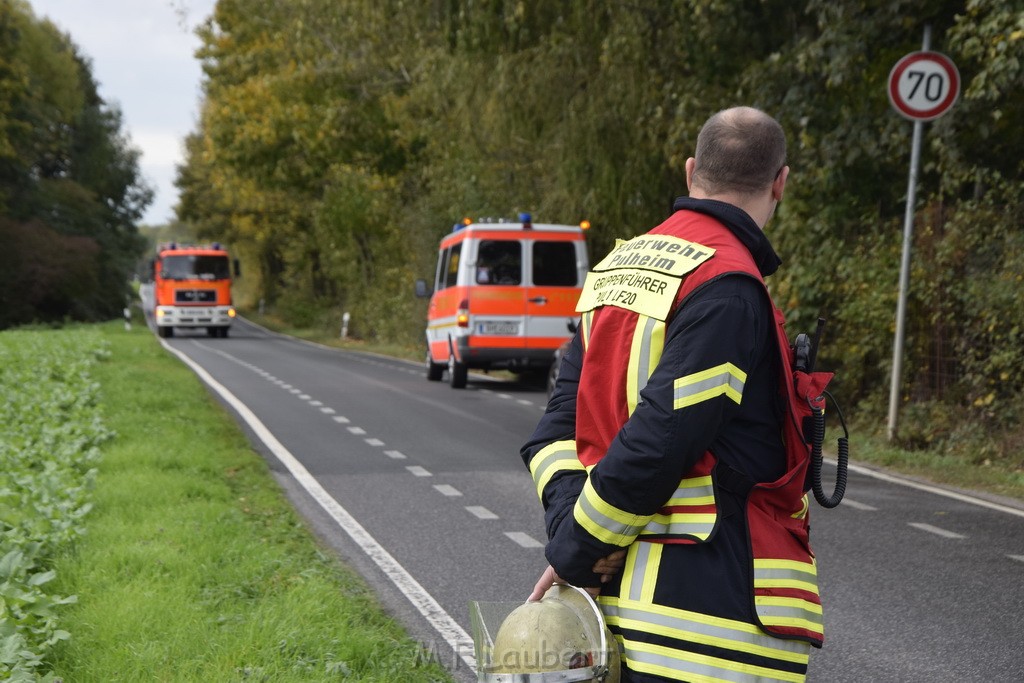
192, 288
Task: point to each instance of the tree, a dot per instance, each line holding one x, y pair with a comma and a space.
70, 189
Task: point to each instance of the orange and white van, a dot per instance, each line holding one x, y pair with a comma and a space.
504, 296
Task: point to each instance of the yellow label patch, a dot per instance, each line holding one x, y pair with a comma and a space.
642, 275
661, 253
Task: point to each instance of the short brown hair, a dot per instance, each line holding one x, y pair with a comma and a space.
739, 150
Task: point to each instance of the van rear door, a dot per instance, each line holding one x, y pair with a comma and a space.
556, 268
498, 299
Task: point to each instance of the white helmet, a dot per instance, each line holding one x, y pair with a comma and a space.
561, 638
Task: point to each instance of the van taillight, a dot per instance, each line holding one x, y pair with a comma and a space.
462, 317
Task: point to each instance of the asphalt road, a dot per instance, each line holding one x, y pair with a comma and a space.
420, 488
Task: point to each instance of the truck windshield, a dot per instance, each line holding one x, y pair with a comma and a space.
193, 267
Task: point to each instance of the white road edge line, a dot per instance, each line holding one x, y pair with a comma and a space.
964, 498
425, 604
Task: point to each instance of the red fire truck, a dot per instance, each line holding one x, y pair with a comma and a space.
192, 288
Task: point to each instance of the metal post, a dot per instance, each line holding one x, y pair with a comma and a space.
908, 234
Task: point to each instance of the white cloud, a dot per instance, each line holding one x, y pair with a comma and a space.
142, 56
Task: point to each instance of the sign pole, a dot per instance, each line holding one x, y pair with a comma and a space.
908, 234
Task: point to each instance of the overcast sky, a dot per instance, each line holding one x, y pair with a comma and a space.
142, 54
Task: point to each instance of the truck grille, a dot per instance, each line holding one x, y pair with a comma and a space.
195, 296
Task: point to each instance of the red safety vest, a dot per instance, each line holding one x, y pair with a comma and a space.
784, 572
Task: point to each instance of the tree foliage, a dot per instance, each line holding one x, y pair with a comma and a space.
70, 191
339, 141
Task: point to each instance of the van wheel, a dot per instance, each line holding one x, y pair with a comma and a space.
435, 371
457, 373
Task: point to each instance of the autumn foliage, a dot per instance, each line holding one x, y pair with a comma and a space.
338, 141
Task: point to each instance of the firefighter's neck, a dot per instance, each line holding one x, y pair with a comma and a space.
759, 206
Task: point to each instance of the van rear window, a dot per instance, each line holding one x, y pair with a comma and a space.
499, 262
554, 264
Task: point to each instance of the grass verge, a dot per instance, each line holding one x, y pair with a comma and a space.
195, 566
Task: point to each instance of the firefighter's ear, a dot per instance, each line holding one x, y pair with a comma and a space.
690, 164
779, 184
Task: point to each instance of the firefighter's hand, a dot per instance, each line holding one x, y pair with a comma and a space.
548, 579
607, 567
610, 565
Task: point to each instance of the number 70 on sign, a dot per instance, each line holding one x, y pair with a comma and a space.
924, 85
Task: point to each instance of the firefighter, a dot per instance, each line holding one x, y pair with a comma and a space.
670, 461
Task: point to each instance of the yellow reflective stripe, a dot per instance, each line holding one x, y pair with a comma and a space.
640, 573
776, 573
704, 629
793, 612
805, 505
679, 665
559, 456
698, 525
644, 354
604, 521
651, 565
701, 386
631, 584
586, 325
693, 491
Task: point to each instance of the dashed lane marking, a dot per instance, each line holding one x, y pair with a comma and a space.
341, 419
858, 506
375, 442
395, 455
1019, 558
328, 410
935, 530
447, 490
357, 430
480, 512
418, 471
524, 539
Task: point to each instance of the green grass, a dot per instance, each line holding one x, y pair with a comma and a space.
194, 566
1001, 479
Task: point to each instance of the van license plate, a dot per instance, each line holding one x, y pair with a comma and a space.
506, 329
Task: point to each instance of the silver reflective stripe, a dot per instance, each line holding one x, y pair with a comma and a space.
766, 612
746, 638
701, 386
704, 667
641, 556
551, 460
684, 492
644, 359
774, 574
678, 527
608, 525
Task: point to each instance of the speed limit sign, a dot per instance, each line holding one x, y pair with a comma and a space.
924, 85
